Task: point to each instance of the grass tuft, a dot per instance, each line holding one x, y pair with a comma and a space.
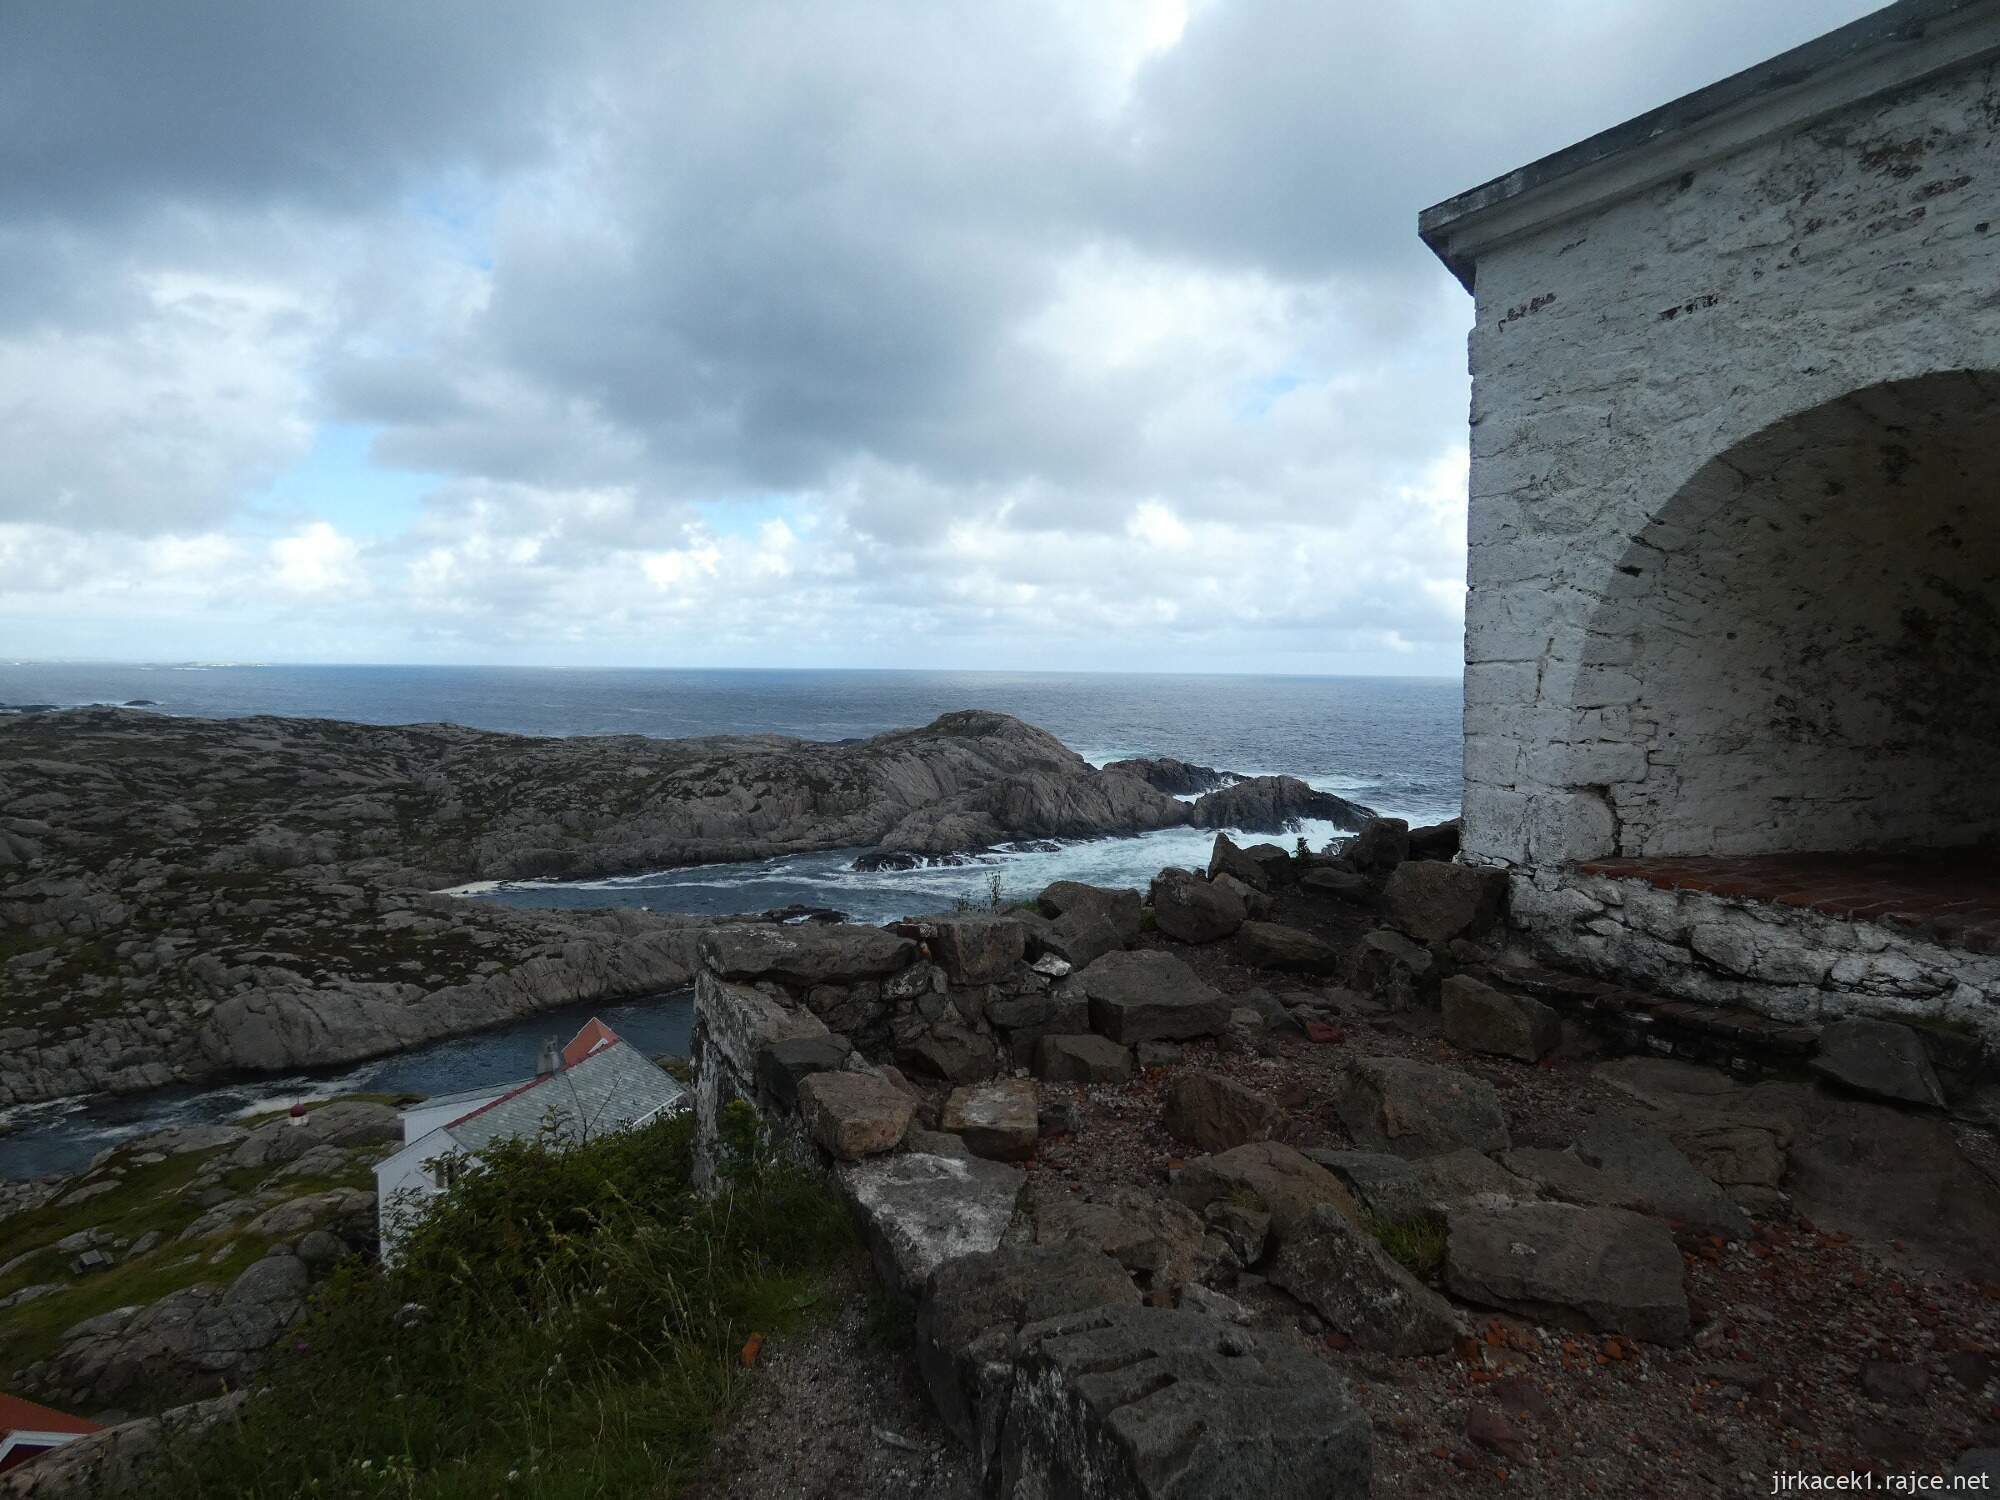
1417, 1244
564, 1325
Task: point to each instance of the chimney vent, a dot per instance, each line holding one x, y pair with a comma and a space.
551, 1059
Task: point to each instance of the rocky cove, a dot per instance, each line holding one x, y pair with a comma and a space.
185, 899
1290, 1144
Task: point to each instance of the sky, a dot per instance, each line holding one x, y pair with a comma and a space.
1090, 335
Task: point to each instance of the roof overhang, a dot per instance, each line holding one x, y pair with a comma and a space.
1904, 43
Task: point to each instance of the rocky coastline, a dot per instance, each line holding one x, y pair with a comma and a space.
183, 898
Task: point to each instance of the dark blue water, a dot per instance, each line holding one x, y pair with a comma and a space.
64, 1135
1387, 740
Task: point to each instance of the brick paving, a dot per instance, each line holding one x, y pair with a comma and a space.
1949, 895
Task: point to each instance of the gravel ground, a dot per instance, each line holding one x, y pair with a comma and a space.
837, 1414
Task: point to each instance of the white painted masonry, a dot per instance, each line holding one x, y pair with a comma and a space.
1734, 564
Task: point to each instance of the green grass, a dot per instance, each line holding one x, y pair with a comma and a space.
579, 1316
1417, 1244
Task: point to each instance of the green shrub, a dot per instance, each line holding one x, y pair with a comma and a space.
565, 1323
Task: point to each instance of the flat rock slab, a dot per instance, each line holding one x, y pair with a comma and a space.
1662, 1181
1147, 996
1878, 1058
920, 1211
1341, 1272
1158, 1404
1602, 1269
853, 1115
836, 954
1284, 1182
1418, 1109
1118, 906
1088, 1058
997, 1120
1214, 1113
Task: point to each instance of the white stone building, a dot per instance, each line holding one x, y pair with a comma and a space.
1732, 669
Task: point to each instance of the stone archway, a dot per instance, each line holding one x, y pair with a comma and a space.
1801, 650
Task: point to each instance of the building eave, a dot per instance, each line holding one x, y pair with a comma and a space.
1899, 45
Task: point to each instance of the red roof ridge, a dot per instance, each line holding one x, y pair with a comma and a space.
595, 1033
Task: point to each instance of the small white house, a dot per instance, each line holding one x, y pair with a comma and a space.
596, 1085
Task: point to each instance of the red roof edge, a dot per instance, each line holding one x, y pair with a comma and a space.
18, 1415
593, 1038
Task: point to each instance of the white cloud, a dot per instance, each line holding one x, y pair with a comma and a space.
314, 560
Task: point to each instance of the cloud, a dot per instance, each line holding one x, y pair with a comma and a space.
745, 331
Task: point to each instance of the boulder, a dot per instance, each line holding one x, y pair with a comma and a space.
1214, 1113
948, 1051
1155, 1403
1226, 858
1257, 903
805, 955
1435, 840
977, 950
1389, 966
1380, 846
1192, 910
853, 1115
1078, 937
783, 1065
1118, 906
1483, 1019
971, 1311
1878, 1058
1341, 1272
921, 1211
1149, 996
1269, 945
1344, 885
1277, 862
1274, 804
1083, 1059
1282, 1181
1060, 1010
997, 1120
1434, 901
1418, 1109
1601, 1269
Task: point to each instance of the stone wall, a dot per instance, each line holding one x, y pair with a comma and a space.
1732, 562
1798, 965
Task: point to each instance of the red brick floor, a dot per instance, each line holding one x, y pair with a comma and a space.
1949, 895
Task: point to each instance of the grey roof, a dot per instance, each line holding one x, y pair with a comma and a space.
612, 1088
1903, 23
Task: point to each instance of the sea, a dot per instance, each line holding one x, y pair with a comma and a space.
1390, 743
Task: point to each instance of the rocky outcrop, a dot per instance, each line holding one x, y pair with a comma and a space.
1599, 1269
181, 898
1177, 778
1275, 804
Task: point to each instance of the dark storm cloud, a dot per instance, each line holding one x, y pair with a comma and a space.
109, 109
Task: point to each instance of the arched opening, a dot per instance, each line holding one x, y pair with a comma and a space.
1805, 641
1792, 680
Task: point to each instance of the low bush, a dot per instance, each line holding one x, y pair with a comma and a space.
566, 1323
